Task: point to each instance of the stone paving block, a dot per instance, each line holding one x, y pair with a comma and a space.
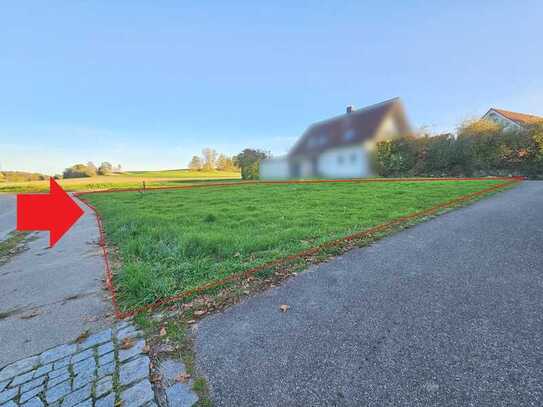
35, 402
77, 396
103, 386
3, 385
181, 394
138, 394
59, 372
9, 404
84, 365
170, 369
43, 370
22, 379
19, 367
57, 380
121, 325
96, 339
82, 379
106, 370
57, 353
33, 383
136, 349
106, 359
129, 332
62, 363
57, 392
105, 348
31, 393
86, 403
8, 394
89, 353
134, 370
107, 401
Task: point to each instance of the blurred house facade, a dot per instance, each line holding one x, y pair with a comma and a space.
511, 120
340, 147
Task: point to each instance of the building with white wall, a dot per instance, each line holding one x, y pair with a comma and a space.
340, 147
511, 121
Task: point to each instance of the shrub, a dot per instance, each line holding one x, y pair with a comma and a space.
480, 148
79, 171
105, 168
249, 162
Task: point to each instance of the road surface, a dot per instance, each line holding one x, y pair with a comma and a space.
50, 296
8, 215
447, 313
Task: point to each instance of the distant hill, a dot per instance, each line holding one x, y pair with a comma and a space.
181, 173
21, 176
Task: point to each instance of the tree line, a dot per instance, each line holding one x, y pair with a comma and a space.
247, 162
479, 148
89, 170
210, 160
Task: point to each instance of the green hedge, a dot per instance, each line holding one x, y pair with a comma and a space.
479, 149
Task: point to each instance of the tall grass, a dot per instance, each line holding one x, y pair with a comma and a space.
171, 241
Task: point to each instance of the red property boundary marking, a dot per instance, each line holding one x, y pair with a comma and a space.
284, 260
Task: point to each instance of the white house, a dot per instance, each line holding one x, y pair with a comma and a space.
511, 120
339, 147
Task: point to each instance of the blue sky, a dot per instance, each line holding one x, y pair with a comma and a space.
147, 84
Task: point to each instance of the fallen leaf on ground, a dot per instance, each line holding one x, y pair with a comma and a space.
192, 321
162, 331
127, 343
182, 377
82, 336
200, 313
146, 349
284, 307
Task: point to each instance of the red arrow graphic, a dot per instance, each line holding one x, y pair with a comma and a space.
55, 212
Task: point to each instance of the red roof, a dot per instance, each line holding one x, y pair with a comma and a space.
349, 128
519, 118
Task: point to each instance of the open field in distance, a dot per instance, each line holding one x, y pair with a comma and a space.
124, 180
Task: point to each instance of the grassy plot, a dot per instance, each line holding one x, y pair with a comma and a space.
170, 241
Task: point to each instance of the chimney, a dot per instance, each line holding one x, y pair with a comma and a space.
350, 109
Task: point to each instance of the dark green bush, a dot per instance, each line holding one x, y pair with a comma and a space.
479, 149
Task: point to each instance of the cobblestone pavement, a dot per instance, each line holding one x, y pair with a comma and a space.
107, 369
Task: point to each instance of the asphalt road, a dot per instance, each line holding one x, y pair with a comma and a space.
447, 313
50, 296
8, 215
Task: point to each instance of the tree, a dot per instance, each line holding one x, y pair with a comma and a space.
225, 163
105, 168
195, 163
79, 171
209, 157
249, 162
91, 168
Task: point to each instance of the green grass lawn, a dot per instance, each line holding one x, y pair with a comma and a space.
170, 241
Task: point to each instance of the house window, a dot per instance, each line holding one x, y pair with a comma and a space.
353, 157
340, 159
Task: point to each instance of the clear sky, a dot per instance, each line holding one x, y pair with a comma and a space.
147, 84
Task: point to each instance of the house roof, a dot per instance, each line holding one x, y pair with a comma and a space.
519, 118
346, 129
